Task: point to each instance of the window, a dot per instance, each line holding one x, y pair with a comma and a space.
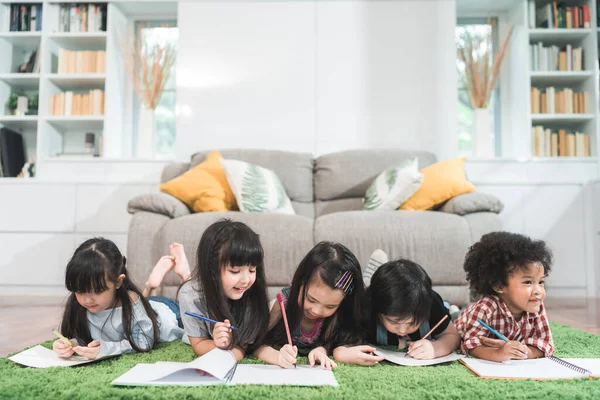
477, 29
151, 33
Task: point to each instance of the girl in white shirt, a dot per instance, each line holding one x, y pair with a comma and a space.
106, 313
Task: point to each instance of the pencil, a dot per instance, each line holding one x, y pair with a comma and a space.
202, 317
495, 332
431, 330
62, 338
285, 321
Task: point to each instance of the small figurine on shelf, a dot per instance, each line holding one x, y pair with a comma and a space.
28, 170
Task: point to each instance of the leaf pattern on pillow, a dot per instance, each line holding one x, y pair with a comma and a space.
254, 190
372, 200
391, 175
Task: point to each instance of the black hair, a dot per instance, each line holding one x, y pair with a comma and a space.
327, 261
400, 289
232, 243
497, 255
94, 262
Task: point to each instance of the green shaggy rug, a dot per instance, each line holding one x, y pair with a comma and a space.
450, 381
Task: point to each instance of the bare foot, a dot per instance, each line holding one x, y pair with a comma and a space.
164, 265
182, 266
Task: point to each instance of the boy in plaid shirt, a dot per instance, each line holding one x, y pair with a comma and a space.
507, 270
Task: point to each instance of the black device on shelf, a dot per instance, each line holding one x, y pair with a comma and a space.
12, 152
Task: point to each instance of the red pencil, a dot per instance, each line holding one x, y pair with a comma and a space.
285, 321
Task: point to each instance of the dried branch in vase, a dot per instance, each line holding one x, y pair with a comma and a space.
479, 77
148, 67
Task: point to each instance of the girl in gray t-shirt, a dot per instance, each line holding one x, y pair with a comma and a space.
106, 313
228, 285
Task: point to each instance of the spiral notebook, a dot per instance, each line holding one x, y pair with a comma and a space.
539, 368
219, 367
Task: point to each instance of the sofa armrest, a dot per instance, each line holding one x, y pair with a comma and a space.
160, 203
473, 202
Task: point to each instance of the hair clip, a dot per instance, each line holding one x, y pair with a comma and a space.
345, 282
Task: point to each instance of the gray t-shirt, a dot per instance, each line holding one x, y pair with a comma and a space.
191, 299
107, 326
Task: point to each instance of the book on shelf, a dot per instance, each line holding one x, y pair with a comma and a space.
554, 58
70, 103
551, 101
82, 18
546, 143
25, 18
81, 62
556, 14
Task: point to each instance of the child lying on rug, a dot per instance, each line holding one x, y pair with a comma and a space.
106, 312
508, 270
323, 308
229, 285
402, 308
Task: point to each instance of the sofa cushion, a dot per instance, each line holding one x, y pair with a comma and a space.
349, 173
285, 238
441, 182
437, 241
295, 170
204, 187
394, 186
473, 202
257, 189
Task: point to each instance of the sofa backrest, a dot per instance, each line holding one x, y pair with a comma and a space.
341, 179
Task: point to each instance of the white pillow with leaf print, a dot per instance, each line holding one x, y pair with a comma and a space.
394, 186
256, 189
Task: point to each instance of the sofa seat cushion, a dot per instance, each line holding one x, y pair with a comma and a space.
285, 238
437, 241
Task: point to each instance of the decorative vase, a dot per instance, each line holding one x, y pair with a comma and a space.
145, 133
483, 144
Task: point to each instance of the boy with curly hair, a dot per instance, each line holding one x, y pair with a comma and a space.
507, 271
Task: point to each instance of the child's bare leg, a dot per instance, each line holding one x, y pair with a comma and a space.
164, 265
182, 266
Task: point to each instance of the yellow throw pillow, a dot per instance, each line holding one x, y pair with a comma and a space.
204, 187
441, 182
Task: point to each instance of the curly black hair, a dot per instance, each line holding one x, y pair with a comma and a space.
497, 255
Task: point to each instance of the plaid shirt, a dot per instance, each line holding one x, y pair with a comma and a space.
532, 329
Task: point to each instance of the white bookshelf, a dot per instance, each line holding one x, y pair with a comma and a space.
585, 80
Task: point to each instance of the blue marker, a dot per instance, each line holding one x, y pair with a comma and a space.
207, 319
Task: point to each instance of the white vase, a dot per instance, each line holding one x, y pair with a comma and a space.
483, 144
145, 133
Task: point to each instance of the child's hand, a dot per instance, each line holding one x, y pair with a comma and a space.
62, 349
91, 351
222, 334
319, 355
507, 350
287, 356
361, 355
421, 350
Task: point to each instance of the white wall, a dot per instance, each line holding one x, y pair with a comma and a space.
316, 76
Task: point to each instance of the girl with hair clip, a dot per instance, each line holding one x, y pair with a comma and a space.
323, 314
105, 312
228, 285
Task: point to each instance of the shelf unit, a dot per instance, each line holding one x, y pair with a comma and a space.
585, 80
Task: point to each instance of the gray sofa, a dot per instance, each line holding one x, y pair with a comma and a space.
327, 194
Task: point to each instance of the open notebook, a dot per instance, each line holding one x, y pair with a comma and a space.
223, 370
41, 357
539, 368
398, 357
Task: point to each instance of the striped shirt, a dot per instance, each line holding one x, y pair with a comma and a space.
532, 329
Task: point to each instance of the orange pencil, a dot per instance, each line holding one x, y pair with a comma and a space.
285, 321
432, 329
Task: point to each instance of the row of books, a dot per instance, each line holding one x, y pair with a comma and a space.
82, 18
81, 62
70, 103
557, 15
25, 18
549, 100
546, 143
554, 58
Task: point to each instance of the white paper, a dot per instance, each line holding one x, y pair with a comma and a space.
398, 357
591, 364
539, 368
41, 357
